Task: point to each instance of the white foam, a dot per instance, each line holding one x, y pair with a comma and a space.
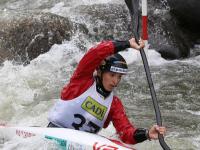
194, 112
27, 91
154, 58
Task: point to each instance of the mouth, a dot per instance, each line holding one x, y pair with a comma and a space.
109, 87
112, 86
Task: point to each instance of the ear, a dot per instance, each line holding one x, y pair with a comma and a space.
99, 73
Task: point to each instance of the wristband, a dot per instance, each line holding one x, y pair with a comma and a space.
121, 45
147, 134
140, 135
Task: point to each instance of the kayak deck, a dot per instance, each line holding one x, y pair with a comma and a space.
66, 139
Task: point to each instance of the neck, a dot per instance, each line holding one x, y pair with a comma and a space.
100, 89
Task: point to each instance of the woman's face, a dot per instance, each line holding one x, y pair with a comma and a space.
110, 80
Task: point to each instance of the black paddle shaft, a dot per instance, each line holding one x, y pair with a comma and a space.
133, 6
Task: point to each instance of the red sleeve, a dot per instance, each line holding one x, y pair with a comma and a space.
82, 78
124, 128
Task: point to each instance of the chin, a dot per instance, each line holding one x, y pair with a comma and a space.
110, 90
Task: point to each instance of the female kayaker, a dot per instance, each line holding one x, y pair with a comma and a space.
87, 102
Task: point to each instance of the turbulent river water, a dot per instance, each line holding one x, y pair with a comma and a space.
28, 92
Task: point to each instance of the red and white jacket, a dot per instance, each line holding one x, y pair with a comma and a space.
83, 78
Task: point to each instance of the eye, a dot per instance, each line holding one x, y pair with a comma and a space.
119, 76
112, 74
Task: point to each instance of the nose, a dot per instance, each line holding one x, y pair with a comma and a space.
116, 80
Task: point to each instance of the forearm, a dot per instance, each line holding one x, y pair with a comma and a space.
121, 45
121, 123
127, 132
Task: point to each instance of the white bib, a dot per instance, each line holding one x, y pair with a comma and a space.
87, 112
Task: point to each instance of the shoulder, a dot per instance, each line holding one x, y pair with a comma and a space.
76, 88
117, 103
116, 99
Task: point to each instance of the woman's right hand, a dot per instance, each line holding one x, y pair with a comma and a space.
154, 130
